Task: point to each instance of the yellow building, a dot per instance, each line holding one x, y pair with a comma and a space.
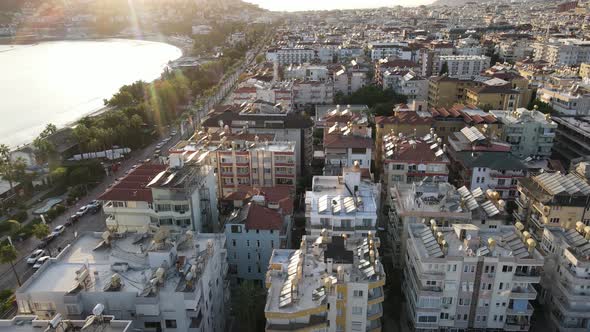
585, 70
554, 199
493, 97
444, 91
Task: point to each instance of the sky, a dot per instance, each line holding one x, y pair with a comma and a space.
295, 5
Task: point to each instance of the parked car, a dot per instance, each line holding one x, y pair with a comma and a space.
72, 219
40, 262
83, 210
58, 230
35, 255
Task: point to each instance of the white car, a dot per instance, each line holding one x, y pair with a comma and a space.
83, 210
35, 255
40, 262
58, 230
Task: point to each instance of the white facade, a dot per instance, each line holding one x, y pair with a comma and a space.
467, 277
348, 82
461, 66
408, 84
562, 52
566, 102
396, 50
313, 93
306, 72
161, 282
342, 205
286, 56
567, 278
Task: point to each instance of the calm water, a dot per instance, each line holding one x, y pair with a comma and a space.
59, 82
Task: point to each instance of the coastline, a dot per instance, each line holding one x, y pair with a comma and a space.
102, 109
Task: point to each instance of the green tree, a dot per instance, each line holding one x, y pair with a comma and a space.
444, 69
249, 306
40, 231
14, 226
6, 169
8, 255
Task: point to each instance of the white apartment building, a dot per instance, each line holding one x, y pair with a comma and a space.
306, 72
406, 83
287, 56
395, 50
562, 52
177, 198
566, 277
530, 133
567, 101
468, 46
161, 282
347, 143
312, 93
461, 66
465, 277
331, 283
515, 50
349, 81
32, 323
344, 204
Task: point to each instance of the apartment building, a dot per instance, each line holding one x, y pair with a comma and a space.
562, 52
479, 162
553, 199
32, 323
386, 65
332, 283
530, 133
348, 81
407, 122
565, 277
306, 72
346, 143
445, 91
572, 138
344, 204
159, 281
406, 83
449, 120
461, 66
515, 50
312, 93
393, 50
262, 118
287, 56
573, 101
407, 160
177, 198
497, 96
260, 222
466, 277
243, 159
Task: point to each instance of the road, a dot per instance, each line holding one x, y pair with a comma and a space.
87, 223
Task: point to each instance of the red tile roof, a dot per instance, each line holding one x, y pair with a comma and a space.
405, 117
341, 141
273, 195
263, 218
133, 186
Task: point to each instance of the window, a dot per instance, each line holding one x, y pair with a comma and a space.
500, 286
153, 325
236, 229
357, 310
357, 293
233, 243
506, 268
554, 220
170, 323
249, 269
247, 243
357, 326
258, 243
272, 244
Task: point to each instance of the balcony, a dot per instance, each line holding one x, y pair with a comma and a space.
375, 312
315, 322
374, 325
533, 276
520, 203
375, 296
517, 323
516, 312
523, 293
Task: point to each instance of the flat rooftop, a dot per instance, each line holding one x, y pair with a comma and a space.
30, 323
330, 188
311, 263
134, 256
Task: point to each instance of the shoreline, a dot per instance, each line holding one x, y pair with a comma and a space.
102, 109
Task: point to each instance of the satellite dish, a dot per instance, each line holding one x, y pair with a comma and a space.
98, 309
461, 248
468, 237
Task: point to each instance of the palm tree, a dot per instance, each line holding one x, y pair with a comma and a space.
8, 254
14, 225
40, 231
6, 164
